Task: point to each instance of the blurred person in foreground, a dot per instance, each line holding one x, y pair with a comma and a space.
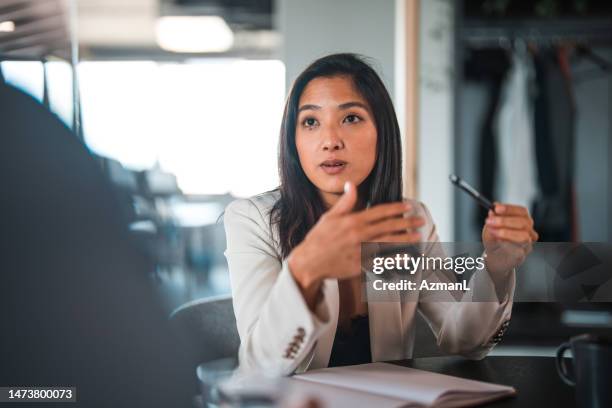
77, 307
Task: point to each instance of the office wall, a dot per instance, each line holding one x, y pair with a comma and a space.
314, 28
436, 96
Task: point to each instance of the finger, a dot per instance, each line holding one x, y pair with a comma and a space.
509, 222
534, 235
510, 235
383, 211
509, 209
391, 225
415, 221
406, 237
347, 201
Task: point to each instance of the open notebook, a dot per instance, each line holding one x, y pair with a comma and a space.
389, 385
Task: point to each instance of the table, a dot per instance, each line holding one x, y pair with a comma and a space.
535, 378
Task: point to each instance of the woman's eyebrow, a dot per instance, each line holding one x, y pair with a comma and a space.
353, 104
343, 106
308, 107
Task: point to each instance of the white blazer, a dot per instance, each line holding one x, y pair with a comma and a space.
279, 332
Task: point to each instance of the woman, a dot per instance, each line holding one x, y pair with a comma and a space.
294, 252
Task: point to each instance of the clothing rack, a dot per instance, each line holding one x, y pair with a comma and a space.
487, 39
486, 33
507, 34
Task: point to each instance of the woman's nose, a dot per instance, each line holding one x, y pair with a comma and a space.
332, 141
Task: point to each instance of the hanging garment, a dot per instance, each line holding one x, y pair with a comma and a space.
555, 118
563, 54
516, 180
487, 66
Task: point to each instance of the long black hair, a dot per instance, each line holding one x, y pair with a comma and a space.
300, 205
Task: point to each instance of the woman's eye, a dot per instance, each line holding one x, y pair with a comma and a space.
352, 119
309, 122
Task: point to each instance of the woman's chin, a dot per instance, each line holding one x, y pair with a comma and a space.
334, 186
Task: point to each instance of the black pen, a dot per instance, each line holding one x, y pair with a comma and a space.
482, 200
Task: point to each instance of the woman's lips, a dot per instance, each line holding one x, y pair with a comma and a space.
333, 167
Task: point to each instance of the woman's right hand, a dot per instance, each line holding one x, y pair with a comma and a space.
332, 248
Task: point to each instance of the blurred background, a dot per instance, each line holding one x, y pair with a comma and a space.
180, 101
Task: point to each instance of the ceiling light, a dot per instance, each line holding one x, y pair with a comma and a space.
7, 26
193, 34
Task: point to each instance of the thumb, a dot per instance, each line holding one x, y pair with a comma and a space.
347, 201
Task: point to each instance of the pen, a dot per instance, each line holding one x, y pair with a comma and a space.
483, 201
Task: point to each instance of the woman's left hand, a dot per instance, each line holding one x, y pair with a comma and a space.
507, 236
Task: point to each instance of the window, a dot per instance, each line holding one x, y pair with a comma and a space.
214, 124
29, 77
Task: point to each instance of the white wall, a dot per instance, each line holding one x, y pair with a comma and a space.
436, 141
314, 28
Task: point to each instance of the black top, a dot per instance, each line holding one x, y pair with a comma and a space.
352, 346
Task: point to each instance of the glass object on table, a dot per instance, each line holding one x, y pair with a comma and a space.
223, 386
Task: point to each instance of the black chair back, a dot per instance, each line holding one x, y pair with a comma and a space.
209, 327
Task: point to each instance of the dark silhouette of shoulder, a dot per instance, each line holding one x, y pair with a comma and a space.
76, 304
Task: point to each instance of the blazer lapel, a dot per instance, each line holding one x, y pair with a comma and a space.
386, 331
325, 343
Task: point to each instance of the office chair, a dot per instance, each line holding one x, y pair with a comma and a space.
209, 327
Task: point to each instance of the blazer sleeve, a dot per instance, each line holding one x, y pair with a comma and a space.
277, 329
461, 325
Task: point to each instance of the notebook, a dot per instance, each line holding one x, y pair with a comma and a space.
390, 385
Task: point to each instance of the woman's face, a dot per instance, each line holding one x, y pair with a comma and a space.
335, 135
